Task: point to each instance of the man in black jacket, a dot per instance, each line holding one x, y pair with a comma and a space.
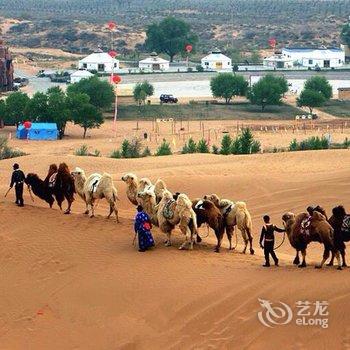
268, 237
17, 180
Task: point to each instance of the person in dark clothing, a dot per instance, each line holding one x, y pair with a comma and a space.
142, 228
17, 180
268, 237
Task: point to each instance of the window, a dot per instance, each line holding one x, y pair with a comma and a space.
311, 61
207, 63
101, 67
84, 65
115, 65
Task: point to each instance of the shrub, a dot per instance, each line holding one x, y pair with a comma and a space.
82, 151
236, 146
199, 68
256, 147
202, 146
96, 153
189, 147
116, 154
246, 141
7, 152
125, 149
226, 144
312, 143
135, 148
346, 143
146, 152
293, 146
164, 149
215, 149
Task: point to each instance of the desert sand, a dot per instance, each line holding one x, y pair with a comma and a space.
70, 282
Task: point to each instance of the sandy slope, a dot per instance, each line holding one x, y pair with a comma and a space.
69, 282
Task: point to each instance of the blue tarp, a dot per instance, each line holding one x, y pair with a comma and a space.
38, 131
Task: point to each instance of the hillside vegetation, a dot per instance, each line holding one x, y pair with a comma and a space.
248, 24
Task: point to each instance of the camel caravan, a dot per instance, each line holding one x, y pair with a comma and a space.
167, 210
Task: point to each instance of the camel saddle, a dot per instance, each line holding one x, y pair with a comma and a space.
52, 180
168, 211
345, 227
305, 226
94, 184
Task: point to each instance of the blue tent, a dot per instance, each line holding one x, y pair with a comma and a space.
38, 131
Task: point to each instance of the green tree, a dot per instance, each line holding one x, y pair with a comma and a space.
190, 146
16, 104
88, 117
142, 91
226, 144
37, 108
321, 85
202, 146
164, 149
345, 34
101, 92
267, 91
57, 110
2, 111
246, 140
255, 57
170, 36
228, 85
311, 99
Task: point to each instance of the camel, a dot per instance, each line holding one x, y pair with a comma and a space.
58, 183
207, 212
96, 186
234, 213
134, 186
38, 187
302, 229
340, 221
147, 200
177, 212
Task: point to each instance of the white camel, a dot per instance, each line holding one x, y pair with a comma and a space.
96, 186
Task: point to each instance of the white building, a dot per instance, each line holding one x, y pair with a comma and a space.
100, 62
79, 75
154, 63
216, 61
278, 61
306, 57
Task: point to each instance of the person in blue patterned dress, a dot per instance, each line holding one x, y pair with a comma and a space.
142, 228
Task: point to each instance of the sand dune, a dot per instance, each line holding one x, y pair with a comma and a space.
70, 282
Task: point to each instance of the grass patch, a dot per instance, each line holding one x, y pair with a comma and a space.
83, 151
203, 111
340, 109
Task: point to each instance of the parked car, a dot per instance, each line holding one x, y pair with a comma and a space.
168, 99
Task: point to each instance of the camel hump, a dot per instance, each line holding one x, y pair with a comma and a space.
241, 205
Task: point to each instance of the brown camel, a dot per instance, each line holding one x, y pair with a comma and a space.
235, 214
340, 221
303, 229
58, 183
207, 213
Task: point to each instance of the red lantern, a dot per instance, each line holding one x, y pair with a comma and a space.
111, 25
27, 124
189, 48
272, 43
116, 79
113, 53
